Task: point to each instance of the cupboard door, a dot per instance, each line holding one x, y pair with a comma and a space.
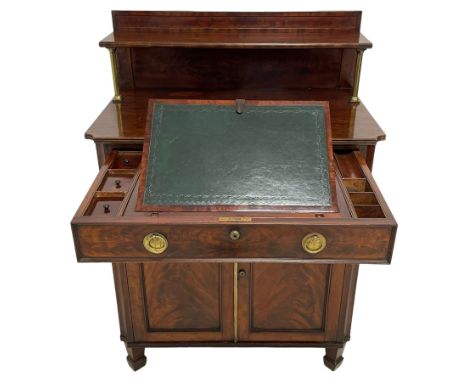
289, 302
181, 302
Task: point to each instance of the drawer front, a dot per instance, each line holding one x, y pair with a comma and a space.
362, 243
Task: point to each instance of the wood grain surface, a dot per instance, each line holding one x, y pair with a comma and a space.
125, 122
234, 30
287, 297
182, 296
181, 302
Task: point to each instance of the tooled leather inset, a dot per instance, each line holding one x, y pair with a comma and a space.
210, 155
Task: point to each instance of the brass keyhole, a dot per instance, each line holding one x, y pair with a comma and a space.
234, 234
314, 243
155, 243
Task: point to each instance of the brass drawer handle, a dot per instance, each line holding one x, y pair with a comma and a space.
155, 243
314, 243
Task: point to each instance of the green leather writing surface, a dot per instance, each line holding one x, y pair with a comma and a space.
204, 155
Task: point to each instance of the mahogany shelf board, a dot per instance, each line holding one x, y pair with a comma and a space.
291, 39
338, 29
125, 122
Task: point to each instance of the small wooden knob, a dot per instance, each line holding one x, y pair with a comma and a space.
314, 243
242, 273
155, 243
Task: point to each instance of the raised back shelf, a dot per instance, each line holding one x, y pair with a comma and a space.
228, 51
307, 56
236, 30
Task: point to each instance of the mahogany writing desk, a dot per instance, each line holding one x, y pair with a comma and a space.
226, 272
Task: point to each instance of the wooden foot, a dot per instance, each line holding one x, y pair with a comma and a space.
136, 357
333, 358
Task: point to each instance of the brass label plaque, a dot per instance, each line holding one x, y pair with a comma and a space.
234, 219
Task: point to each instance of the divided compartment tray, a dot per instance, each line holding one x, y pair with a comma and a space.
105, 204
117, 181
125, 160
361, 193
112, 185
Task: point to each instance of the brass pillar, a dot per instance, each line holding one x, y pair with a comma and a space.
113, 57
118, 109
357, 76
236, 301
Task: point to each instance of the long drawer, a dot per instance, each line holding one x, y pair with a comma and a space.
106, 227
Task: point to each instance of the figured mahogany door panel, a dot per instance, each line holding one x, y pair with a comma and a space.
289, 302
181, 302
296, 305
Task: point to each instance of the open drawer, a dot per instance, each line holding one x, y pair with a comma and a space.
107, 226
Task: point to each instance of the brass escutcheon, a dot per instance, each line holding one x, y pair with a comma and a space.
314, 243
155, 243
234, 234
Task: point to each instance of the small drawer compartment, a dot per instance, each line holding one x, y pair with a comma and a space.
126, 160
110, 188
365, 199
366, 205
369, 211
357, 185
117, 181
105, 204
348, 168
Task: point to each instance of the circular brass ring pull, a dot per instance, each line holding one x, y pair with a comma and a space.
314, 243
155, 243
234, 234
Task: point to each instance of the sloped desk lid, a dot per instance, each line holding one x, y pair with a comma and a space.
202, 155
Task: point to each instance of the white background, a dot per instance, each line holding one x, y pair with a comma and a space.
58, 319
